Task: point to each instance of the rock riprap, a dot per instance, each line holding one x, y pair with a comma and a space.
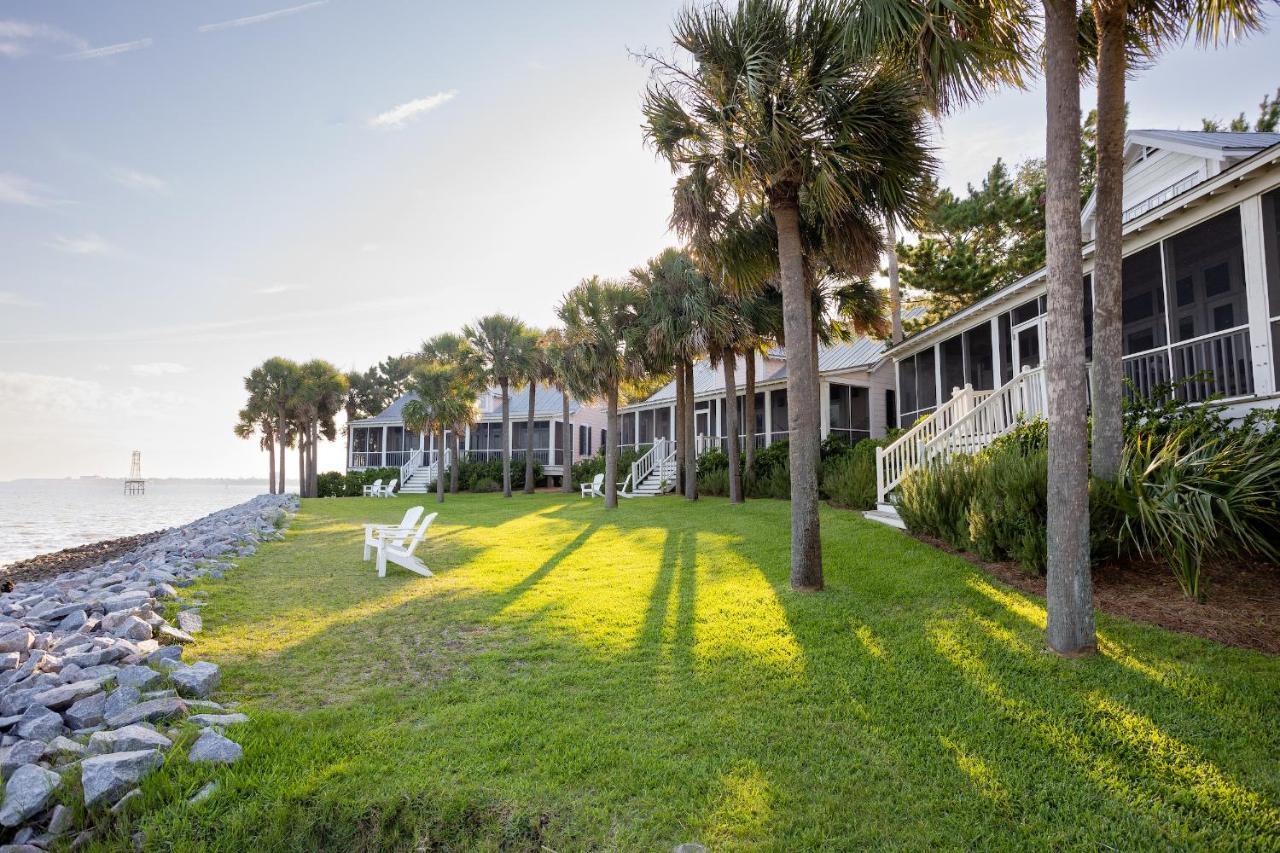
92, 681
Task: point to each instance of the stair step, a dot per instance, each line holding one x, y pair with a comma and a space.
889, 518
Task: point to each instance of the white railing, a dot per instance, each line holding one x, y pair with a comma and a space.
663, 464
407, 469
1222, 364
1023, 398
910, 449
655, 455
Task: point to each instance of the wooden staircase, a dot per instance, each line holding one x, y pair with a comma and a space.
966, 423
655, 472
418, 475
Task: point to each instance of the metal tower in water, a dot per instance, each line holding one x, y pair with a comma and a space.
135, 485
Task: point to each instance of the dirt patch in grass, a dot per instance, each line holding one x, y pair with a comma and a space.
1242, 606
71, 559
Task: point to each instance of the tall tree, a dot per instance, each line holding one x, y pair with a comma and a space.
279, 378
436, 386
498, 342
1069, 585
778, 108
560, 369
457, 352
727, 334
1268, 120
600, 319
1141, 27
254, 420
534, 371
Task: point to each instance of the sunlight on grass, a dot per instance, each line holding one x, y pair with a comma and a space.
575, 678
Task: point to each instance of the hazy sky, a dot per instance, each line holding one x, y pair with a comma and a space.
189, 188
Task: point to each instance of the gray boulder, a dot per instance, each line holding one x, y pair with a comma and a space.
26, 793
87, 712
66, 695
190, 621
215, 748
17, 641
197, 681
63, 746
120, 700
151, 711
15, 755
106, 778
39, 723
134, 628
127, 739
140, 677
126, 600
218, 719
170, 635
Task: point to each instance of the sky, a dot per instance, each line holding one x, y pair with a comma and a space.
187, 189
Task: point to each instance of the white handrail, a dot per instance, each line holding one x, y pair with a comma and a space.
1025, 397
893, 462
644, 466
407, 469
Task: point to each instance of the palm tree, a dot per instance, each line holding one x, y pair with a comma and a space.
727, 331
1125, 27
456, 351
675, 295
278, 379
253, 420
778, 108
599, 319
533, 371
497, 340
560, 370
436, 386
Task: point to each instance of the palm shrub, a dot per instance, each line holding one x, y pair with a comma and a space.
935, 500
1183, 499
1007, 509
849, 474
585, 469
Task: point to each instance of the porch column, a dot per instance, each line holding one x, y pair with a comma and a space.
997, 378
768, 418
824, 407
384, 447
1255, 286
937, 374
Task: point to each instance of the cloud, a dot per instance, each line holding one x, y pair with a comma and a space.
398, 115
272, 289
38, 396
19, 38
135, 180
250, 20
15, 189
89, 244
16, 300
109, 50
158, 368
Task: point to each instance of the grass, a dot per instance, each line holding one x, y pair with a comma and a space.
575, 679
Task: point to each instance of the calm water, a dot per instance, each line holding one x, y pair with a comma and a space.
40, 516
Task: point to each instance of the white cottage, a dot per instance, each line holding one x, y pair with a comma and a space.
1201, 281
382, 440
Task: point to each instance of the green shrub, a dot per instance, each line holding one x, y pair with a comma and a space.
469, 473
713, 482
770, 458
485, 484
335, 484
849, 477
330, 484
934, 500
584, 470
1028, 437
713, 460
1007, 508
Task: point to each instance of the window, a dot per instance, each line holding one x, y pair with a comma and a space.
584, 440
629, 428
890, 409
978, 363
1027, 311
1206, 264
907, 383
662, 423
926, 385
646, 426
604, 439
1271, 249
759, 413
1142, 305
360, 440
849, 414
952, 354
1088, 318
916, 386
778, 413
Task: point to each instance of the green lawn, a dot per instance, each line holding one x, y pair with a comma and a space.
584, 679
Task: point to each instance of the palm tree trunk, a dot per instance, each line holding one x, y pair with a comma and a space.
691, 454
313, 474
271, 464
802, 400
506, 440
611, 452
528, 441
1108, 368
749, 408
453, 462
1068, 585
282, 436
302, 462
566, 444
440, 466
731, 426
677, 429
895, 293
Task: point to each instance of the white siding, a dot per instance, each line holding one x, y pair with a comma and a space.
1162, 169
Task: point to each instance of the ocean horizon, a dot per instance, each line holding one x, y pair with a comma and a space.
40, 516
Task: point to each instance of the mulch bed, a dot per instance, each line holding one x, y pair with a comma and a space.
70, 559
1242, 606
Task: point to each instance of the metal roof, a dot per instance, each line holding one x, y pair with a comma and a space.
547, 401
1218, 140
861, 352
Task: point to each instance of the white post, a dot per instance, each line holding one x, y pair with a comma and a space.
768, 418
937, 375
997, 378
1255, 285
879, 475
384, 448
824, 408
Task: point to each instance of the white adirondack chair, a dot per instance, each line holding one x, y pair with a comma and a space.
626, 489
594, 489
402, 554
373, 489
403, 530
388, 490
